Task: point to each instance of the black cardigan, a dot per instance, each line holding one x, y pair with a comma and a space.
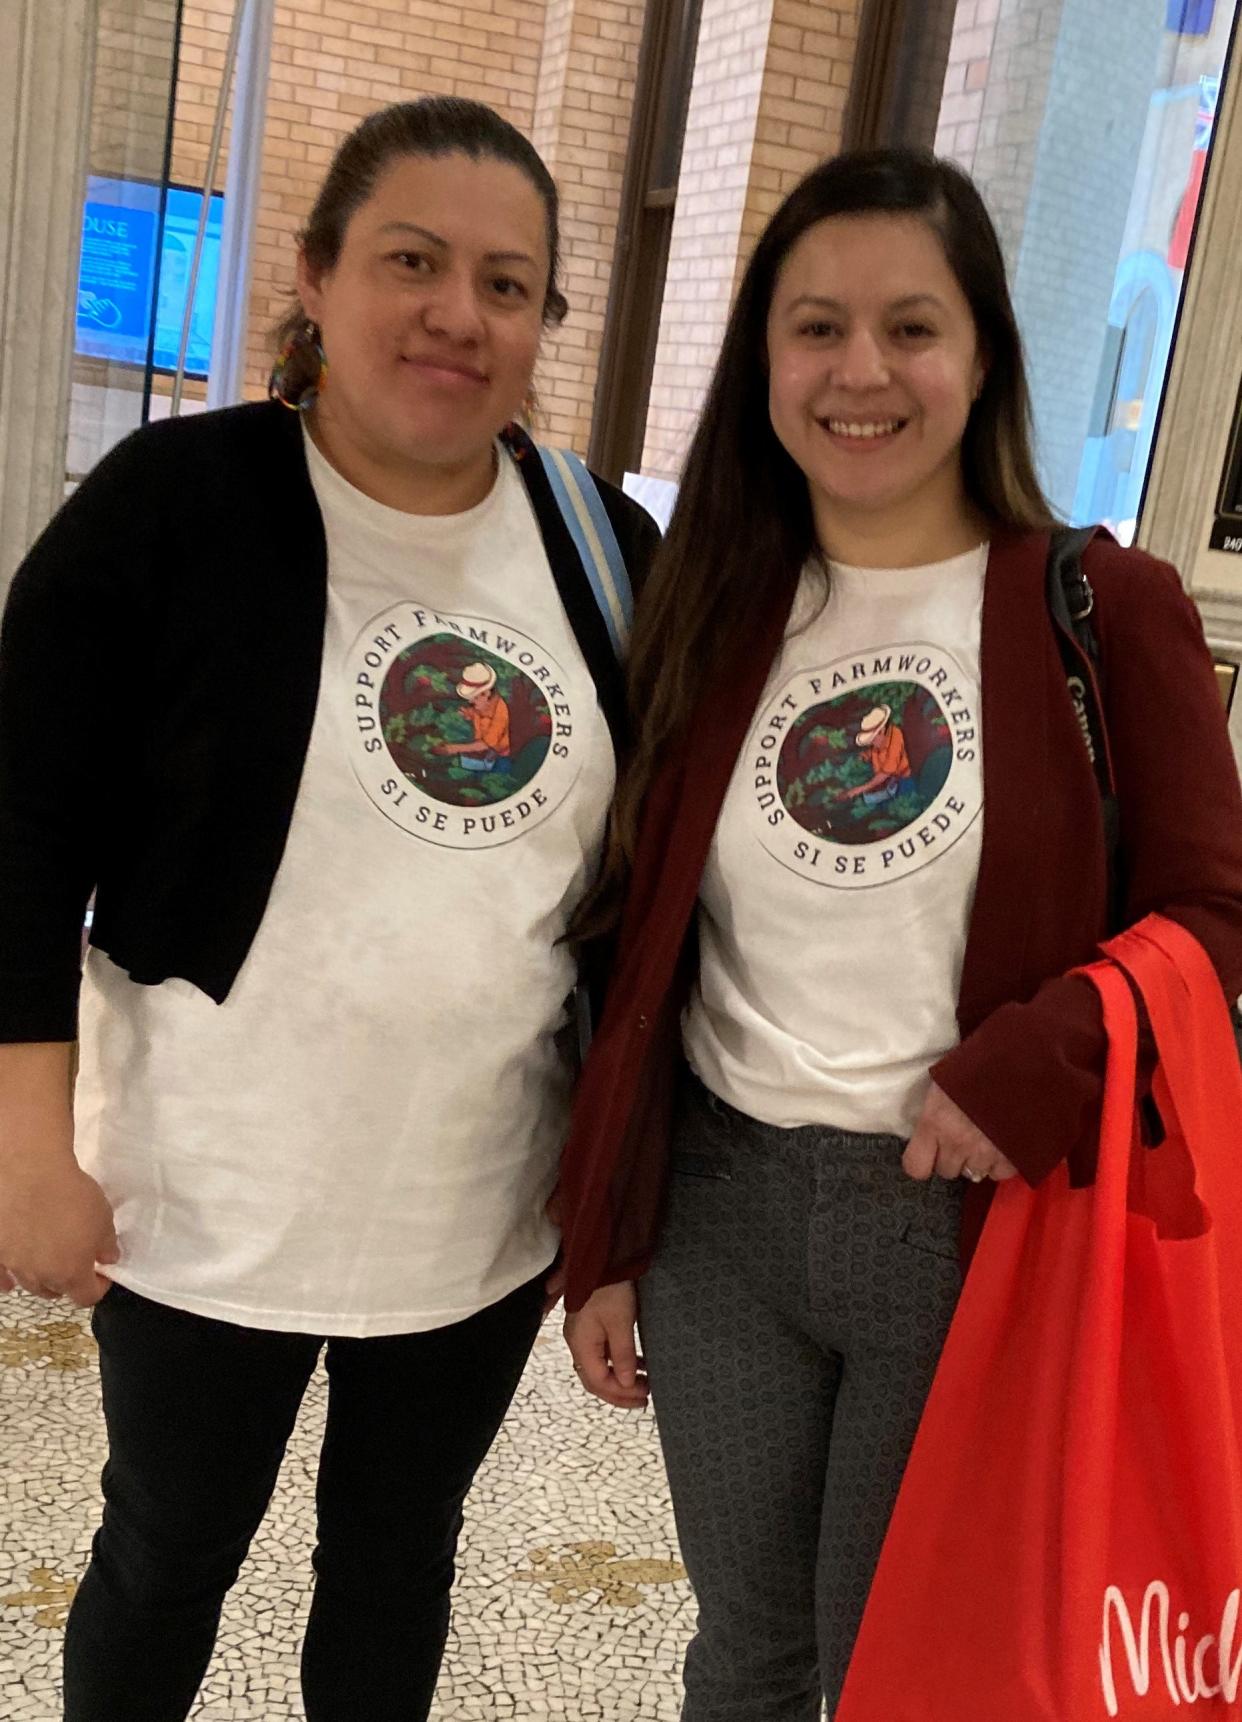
159, 671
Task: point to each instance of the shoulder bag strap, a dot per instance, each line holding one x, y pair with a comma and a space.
586, 517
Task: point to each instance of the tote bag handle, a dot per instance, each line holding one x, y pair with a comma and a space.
1198, 1079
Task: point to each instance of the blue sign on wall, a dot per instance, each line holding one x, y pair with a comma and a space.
117, 277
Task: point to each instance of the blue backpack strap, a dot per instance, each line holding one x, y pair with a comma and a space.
586, 517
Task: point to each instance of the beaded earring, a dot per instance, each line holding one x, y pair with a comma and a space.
300, 373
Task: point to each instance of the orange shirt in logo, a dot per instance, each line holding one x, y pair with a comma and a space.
492, 726
889, 754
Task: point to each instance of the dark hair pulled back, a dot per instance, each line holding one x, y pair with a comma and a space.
431, 126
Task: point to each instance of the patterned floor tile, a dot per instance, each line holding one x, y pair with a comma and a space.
571, 1601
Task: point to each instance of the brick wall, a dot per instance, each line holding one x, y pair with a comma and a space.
770, 83
332, 63
129, 110
707, 225
970, 65
809, 64
1052, 143
581, 126
769, 93
550, 84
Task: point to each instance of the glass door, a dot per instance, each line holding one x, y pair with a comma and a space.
1090, 139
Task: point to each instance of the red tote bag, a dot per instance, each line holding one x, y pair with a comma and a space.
1067, 1545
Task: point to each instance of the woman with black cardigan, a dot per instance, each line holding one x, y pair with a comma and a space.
322, 1088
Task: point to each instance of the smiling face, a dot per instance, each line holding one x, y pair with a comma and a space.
431, 317
874, 365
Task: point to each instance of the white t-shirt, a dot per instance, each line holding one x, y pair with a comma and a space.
836, 898
362, 1138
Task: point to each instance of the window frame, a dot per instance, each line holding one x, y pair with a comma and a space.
900, 65
899, 73
644, 234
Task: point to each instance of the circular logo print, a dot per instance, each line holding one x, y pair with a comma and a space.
864, 772
462, 730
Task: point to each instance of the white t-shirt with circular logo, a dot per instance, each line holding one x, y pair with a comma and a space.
362, 1138
837, 895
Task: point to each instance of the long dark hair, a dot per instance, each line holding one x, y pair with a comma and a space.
743, 524
432, 126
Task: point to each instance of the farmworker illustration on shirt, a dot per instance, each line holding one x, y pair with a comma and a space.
884, 744
487, 714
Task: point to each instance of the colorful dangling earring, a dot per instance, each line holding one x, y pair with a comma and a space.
300, 373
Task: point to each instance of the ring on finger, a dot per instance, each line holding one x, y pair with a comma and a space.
974, 1177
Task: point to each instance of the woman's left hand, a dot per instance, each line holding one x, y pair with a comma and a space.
945, 1142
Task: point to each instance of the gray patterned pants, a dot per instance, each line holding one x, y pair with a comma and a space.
791, 1322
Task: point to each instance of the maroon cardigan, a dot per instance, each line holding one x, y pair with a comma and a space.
1029, 1066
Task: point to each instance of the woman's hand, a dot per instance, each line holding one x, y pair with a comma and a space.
602, 1341
55, 1225
947, 1143
55, 1221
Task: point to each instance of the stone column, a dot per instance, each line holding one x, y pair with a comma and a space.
581, 127
771, 80
46, 73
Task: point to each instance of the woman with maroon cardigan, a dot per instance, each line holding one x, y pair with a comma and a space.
842, 999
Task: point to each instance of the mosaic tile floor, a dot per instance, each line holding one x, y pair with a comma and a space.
570, 1600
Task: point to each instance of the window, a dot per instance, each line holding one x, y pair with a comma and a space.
1090, 145
645, 228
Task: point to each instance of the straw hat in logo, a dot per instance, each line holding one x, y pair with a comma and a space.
476, 679
872, 724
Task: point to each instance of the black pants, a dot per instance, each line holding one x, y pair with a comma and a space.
198, 1415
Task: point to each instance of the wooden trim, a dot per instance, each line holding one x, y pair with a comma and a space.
644, 230
899, 73
878, 33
